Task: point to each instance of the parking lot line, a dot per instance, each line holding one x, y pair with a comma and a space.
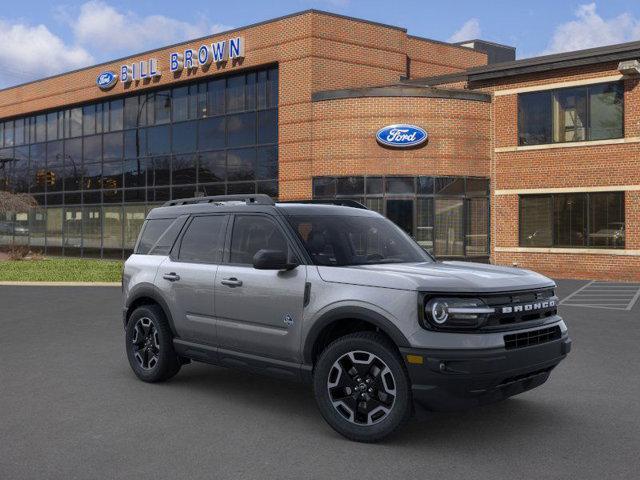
612, 296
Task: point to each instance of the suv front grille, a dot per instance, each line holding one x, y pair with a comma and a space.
520, 307
534, 337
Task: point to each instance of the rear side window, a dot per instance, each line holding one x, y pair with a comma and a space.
204, 240
159, 235
252, 233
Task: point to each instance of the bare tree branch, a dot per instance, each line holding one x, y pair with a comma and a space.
16, 202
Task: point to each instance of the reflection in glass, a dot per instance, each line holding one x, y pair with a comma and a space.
449, 241
112, 231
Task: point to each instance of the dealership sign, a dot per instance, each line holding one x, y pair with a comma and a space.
189, 59
401, 136
106, 80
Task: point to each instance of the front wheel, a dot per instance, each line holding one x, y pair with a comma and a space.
362, 387
149, 345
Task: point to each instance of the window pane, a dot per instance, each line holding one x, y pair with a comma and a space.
252, 233
268, 126
534, 118
272, 88
350, 186
449, 185
570, 217
89, 120
268, 188
606, 220
41, 129
211, 133
204, 239
92, 176
376, 204
102, 117
324, 187
92, 148
241, 164
250, 91
424, 227
135, 172
570, 115
478, 226
211, 167
112, 227
112, 175
161, 170
536, 216
41, 161
400, 185
425, 185
135, 143
162, 107
184, 169
91, 230
241, 188
52, 126
449, 227
112, 146
8, 134
374, 186
72, 232
184, 137
477, 187
116, 115
131, 112
267, 163
606, 104
133, 220
235, 93
215, 95
241, 129
54, 230
75, 122
179, 99
21, 169
158, 140
153, 230
73, 164
261, 88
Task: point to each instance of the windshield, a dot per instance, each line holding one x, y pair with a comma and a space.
340, 240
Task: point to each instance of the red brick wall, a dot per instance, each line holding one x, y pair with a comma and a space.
429, 58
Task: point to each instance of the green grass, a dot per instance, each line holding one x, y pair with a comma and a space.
61, 270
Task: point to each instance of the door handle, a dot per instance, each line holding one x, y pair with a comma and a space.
172, 277
231, 282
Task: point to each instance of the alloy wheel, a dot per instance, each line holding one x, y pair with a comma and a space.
146, 343
361, 387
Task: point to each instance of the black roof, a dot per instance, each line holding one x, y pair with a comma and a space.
590, 56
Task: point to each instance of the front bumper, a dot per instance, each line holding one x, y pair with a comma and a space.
451, 379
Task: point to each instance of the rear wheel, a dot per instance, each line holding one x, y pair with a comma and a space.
362, 387
149, 345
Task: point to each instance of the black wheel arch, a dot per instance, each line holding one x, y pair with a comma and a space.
350, 313
144, 294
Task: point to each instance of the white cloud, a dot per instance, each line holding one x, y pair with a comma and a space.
28, 52
469, 31
591, 30
104, 29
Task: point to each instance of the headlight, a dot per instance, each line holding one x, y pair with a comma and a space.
456, 312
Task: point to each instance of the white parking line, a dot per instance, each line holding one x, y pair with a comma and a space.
612, 296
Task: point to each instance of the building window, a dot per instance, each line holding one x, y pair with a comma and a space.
573, 220
578, 114
447, 216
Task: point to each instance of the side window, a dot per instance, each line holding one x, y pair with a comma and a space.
204, 240
252, 233
151, 232
168, 238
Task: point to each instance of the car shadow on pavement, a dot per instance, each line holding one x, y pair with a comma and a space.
511, 420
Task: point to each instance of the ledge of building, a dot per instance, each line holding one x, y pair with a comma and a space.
570, 251
400, 91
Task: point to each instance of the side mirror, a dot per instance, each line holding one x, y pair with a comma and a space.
272, 260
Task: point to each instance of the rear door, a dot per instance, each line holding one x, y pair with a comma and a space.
259, 311
187, 277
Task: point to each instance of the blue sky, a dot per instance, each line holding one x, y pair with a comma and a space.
43, 37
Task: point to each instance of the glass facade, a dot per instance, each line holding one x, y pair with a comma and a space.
573, 220
448, 216
96, 169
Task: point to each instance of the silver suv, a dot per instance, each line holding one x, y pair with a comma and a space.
337, 296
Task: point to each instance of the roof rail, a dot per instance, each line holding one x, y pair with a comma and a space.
259, 199
339, 202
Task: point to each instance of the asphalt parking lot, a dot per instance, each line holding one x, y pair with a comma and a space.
71, 408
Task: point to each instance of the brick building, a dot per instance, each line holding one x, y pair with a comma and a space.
529, 162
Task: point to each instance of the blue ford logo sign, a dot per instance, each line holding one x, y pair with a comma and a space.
401, 136
106, 80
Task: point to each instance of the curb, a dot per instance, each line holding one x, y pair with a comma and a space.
60, 284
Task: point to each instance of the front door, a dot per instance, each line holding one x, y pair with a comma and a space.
400, 212
259, 311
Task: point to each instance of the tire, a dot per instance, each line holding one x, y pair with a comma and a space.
363, 415
149, 345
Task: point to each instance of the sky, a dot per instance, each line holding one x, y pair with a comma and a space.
39, 38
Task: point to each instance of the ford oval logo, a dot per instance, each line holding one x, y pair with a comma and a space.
106, 80
401, 136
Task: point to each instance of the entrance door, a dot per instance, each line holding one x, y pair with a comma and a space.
400, 212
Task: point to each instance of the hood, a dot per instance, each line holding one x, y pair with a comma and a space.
464, 277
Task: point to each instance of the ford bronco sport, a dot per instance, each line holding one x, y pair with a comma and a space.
337, 296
